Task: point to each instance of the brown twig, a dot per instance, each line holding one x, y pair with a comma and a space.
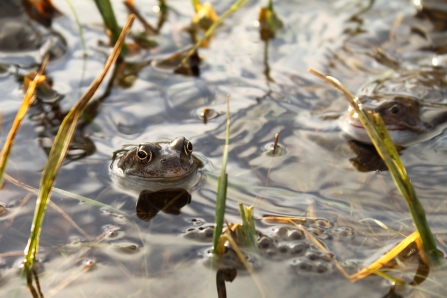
275, 144
132, 9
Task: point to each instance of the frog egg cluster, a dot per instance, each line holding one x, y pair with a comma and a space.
202, 232
230, 260
290, 243
284, 243
311, 265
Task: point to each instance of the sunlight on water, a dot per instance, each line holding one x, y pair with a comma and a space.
146, 244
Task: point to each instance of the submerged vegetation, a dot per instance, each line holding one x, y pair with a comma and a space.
302, 228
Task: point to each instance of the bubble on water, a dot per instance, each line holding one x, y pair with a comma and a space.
203, 233
208, 232
302, 265
323, 223
270, 253
296, 235
346, 232
265, 243
283, 249
322, 268
306, 266
197, 221
316, 255
318, 232
298, 249
280, 233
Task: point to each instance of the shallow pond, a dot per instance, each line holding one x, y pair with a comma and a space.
88, 250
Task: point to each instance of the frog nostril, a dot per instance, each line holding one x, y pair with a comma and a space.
163, 160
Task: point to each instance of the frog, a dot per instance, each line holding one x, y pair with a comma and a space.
156, 165
401, 115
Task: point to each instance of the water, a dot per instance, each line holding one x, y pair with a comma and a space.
112, 253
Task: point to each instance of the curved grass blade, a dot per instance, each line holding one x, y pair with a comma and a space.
82, 199
59, 150
27, 101
381, 139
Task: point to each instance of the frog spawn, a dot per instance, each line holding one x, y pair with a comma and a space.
281, 244
288, 243
202, 233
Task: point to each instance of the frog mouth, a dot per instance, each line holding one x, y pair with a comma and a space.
159, 179
168, 178
401, 126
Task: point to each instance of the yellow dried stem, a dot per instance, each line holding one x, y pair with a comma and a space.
26, 103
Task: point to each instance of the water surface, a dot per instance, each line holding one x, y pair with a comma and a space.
112, 253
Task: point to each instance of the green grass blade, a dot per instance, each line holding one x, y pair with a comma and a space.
108, 16
59, 149
381, 139
222, 186
83, 199
87, 201
248, 224
81, 32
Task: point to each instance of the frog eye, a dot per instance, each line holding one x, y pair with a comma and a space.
394, 110
188, 148
143, 155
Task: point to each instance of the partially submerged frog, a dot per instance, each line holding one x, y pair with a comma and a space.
401, 115
156, 165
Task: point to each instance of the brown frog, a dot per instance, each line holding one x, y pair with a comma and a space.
401, 115
156, 165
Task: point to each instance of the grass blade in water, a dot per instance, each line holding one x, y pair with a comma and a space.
80, 30
27, 101
248, 224
108, 16
381, 139
222, 186
59, 149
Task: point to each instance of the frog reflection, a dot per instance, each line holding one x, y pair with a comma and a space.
170, 201
156, 166
367, 159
